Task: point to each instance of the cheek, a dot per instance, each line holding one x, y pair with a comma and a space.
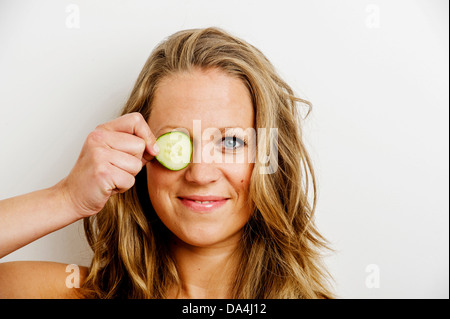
160, 181
155, 175
241, 174
240, 178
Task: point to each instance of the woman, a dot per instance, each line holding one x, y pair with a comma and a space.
219, 228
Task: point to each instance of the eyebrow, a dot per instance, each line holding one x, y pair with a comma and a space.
221, 129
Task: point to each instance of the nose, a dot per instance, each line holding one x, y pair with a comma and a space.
199, 171
202, 173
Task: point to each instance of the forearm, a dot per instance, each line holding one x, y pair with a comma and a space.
25, 218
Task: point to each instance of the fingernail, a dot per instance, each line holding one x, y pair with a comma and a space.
156, 148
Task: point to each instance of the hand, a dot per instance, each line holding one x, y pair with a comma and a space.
111, 157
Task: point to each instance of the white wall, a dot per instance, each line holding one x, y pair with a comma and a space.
376, 72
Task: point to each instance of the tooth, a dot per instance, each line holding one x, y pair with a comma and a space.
205, 202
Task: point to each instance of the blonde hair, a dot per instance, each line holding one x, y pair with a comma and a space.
280, 254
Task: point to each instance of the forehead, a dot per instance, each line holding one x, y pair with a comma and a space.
211, 96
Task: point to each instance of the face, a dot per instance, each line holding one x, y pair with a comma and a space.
204, 204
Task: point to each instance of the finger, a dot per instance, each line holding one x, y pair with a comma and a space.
124, 142
120, 180
146, 157
134, 123
126, 162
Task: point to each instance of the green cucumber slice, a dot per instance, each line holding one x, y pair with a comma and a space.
175, 150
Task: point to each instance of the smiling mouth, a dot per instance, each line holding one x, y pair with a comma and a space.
203, 203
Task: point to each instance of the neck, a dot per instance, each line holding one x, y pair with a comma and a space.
205, 272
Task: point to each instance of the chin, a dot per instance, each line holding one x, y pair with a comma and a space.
206, 238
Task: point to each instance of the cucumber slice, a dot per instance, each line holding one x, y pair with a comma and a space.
175, 150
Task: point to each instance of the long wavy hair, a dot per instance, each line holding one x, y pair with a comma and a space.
281, 248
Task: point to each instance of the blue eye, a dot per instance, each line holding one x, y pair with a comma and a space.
232, 142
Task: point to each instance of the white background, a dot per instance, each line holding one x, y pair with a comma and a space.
376, 72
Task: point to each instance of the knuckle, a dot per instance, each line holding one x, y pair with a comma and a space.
125, 182
98, 154
136, 117
100, 127
95, 136
130, 181
137, 165
101, 170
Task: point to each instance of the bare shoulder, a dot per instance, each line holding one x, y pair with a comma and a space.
40, 279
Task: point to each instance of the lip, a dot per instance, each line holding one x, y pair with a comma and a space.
203, 198
214, 202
